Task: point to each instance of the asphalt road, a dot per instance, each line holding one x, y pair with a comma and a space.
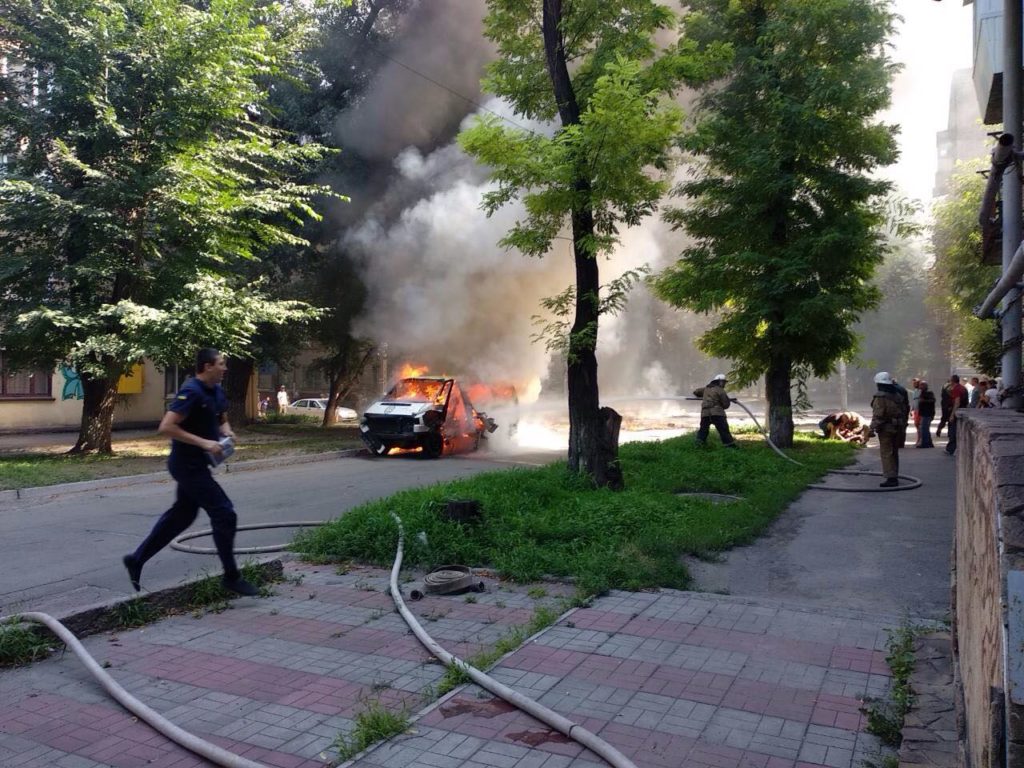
64, 553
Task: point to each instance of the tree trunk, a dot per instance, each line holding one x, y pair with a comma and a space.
342, 382
99, 398
236, 387
593, 431
780, 403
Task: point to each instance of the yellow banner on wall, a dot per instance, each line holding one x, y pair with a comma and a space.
131, 383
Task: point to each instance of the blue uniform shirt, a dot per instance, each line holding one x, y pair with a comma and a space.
202, 407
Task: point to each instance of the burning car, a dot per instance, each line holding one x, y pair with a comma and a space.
430, 413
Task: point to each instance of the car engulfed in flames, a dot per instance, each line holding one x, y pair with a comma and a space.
430, 414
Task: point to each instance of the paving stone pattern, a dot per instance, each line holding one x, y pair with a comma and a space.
668, 678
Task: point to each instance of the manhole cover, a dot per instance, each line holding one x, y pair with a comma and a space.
717, 498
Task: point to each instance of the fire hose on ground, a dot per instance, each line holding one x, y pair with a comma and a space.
549, 717
223, 757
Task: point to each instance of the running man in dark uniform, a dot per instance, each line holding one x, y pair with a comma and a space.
195, 420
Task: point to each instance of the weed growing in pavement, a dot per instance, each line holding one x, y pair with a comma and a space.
546, 521
21, 643
454, 676
135, 613
537, 593
885, 715
373, 723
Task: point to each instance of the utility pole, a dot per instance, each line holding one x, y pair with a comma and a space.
1011, 194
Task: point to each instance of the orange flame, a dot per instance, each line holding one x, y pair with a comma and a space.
411, 370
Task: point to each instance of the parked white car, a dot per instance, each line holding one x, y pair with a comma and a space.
314, 407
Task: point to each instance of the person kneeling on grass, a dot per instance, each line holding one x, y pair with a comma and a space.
713, 404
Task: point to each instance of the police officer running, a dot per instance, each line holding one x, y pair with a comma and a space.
713, 404
889, 412
194, 421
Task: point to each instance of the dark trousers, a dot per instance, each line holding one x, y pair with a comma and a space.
721, 424
196, 488
943, 421
888, 448
924, 433
951, 445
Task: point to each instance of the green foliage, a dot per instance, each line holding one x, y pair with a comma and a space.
21, 643
373, 722
623, 143
787, 218
885, 716
135, 613
550, 521
959, 281
141, 177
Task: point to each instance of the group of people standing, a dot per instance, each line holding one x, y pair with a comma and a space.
892, 406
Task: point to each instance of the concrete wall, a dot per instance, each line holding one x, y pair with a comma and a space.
989, 585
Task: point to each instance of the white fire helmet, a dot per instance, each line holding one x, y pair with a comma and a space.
719, 377
883, 377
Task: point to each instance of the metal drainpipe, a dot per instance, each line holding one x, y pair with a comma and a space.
1012, 123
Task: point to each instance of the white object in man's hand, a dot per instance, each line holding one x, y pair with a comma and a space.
220, 451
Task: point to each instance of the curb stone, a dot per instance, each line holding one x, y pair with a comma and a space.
104, 617
49, 491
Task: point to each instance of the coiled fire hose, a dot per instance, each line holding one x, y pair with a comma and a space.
563, 725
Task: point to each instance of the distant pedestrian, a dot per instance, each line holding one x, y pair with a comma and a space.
959, 397
195, 420
902, 391
925, 412
945, 405
264, 407
915, 394
714, 402
282, 400
889, 412
974, 391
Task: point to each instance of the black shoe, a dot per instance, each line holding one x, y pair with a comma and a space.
134, 569
891, 482
239, 586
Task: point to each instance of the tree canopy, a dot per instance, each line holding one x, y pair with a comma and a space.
139, 176
785, 214
959, 279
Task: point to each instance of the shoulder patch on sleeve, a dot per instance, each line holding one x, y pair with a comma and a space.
182, 397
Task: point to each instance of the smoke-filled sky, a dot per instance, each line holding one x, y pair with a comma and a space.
443, 293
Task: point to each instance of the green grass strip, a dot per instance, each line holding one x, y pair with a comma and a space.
545, 521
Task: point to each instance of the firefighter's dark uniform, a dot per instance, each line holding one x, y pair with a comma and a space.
202, 408
889, 411
713, 404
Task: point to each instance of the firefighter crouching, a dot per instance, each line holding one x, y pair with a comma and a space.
889, 412
713, 404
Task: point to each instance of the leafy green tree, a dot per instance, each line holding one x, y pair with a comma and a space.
139, 178
785, 215
604, 166
959, 280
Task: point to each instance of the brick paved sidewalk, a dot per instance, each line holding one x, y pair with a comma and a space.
669, 678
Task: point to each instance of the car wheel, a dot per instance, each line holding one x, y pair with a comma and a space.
433, 446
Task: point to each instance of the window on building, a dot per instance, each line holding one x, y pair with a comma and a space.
27, 383
174, 377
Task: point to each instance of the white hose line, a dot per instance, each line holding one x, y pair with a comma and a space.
563, 725
176, 543
158, 722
